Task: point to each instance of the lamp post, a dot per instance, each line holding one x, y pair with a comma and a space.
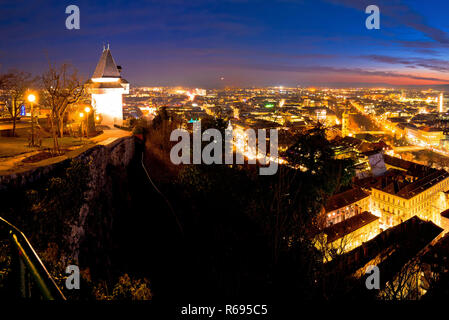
82, 131
87, 111
31, 99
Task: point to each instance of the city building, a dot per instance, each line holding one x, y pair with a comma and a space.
345, 122
350, 233
408, 189
345, 205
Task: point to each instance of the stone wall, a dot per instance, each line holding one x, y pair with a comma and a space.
107, 167
101, 159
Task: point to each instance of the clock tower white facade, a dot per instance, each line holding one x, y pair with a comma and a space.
107, 88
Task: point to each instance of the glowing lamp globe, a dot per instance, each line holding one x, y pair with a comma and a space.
31, 98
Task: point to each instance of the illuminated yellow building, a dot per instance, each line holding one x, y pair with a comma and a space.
348, 234
345, 122
431, 136
345, 205
409, 189
424, 135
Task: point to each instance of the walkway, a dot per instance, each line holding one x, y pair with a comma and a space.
14, 164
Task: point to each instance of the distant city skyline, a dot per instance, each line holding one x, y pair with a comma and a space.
245, 43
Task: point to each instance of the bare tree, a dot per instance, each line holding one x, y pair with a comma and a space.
406, 283
63, 88
15, 84
330, 250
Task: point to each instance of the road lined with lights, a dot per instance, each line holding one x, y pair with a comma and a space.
417, 144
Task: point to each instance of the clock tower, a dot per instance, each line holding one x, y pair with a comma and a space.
107, 88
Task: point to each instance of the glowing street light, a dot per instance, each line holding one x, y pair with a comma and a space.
81, 115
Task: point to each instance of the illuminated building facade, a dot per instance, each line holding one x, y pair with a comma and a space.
321, 115
107, 88
405, 191
425, 135
345, 123
350, 233
345, 205
409, 189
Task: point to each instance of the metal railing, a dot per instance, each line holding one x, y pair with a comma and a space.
27, 263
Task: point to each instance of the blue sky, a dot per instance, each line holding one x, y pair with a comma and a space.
248, 42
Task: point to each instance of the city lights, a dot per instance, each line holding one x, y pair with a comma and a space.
223, 157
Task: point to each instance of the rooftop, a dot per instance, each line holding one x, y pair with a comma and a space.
348, 226
106, 67
395, 182
412, 168
346, 198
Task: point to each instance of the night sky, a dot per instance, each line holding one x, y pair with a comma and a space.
249, 43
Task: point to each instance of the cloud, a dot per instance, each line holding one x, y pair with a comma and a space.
430, 64
339, 71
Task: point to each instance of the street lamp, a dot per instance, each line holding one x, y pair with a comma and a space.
87, 110
81, 115
31, 98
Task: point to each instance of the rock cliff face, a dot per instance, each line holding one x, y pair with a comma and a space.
89, 236
107, 171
